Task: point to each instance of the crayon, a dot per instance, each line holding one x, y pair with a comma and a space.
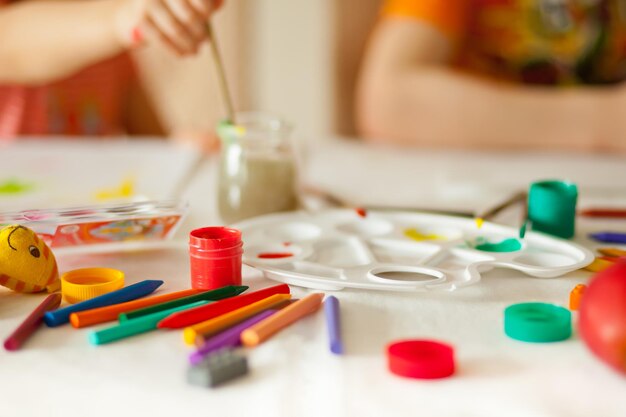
32, 322
609, 237
212, 295
137, 326
207, 312
132, 292
110, 313
331, 309
224, 321
229, 338
264, 330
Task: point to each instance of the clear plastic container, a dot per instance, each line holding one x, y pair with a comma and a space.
257, 173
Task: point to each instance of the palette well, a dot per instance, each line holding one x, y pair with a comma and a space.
397, 251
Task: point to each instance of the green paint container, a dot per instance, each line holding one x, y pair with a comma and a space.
552, 207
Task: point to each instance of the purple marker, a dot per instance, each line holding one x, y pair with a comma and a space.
331, 308
228, 338
609, 237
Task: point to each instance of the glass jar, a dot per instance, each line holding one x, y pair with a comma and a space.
257, 173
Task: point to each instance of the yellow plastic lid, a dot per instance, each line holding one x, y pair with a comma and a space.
82, 284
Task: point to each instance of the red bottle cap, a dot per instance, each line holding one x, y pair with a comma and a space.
212, 238
422, 359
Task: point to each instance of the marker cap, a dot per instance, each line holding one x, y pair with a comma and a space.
537, 322
86, 283
421, 359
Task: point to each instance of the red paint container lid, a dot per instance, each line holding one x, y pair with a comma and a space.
421, 359
214, 238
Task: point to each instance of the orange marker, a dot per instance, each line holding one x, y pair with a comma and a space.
612, 252
109, 313
283, 318
575, 295
230, 319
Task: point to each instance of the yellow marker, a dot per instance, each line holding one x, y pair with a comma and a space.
598, 265
479, 222
612, 252
266, 328
229, 319
415, 235
240, 130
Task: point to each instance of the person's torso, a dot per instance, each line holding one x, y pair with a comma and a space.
89, 103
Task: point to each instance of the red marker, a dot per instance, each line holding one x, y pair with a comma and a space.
209, 311
34, 320
604, 212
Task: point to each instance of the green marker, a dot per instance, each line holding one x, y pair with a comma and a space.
134, 327
214, 295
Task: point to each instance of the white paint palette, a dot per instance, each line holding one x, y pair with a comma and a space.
397, 251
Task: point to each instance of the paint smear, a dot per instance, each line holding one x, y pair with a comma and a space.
507, 245
14, 186
479, 222
125, 190
361, 212
274, 255
415, 235
522, 230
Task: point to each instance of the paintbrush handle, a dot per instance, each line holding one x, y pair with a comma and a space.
221, 73
515, 198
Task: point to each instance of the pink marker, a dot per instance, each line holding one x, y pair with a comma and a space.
32, 322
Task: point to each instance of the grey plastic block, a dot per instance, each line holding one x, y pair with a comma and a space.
217, 369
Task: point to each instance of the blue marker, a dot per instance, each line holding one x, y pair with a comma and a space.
331, 308
132, 292
609, 237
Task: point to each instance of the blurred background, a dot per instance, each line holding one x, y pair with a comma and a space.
297, 59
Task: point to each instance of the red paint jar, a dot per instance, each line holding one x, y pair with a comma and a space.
215, 257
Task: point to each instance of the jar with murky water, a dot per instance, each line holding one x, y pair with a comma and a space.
257, 172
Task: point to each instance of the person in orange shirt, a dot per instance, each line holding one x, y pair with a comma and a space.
65, 67
543, 74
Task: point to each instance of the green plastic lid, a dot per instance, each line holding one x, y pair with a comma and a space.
537, 322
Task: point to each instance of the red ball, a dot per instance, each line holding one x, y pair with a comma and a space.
602, 316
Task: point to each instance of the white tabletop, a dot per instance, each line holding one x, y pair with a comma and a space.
58, 373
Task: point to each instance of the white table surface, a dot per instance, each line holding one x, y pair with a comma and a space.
58, 373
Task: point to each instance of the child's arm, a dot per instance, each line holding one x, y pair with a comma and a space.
43, 41
408, 95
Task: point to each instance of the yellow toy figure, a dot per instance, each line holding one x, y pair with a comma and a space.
26, 263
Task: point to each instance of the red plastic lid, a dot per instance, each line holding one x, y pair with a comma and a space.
422, 359
211, 238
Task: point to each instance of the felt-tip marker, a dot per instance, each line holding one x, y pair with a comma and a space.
609, 237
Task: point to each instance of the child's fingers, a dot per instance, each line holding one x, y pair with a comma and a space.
163, 20
205, 7
193, 21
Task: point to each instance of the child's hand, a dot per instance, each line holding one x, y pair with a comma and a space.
179, 24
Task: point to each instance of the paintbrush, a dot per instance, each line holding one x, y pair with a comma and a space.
228, 102
221, 73
493, 211
333, 200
